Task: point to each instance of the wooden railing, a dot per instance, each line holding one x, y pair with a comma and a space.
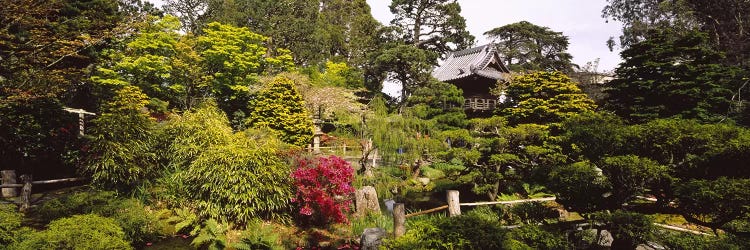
454, 209
480, 104
9, 186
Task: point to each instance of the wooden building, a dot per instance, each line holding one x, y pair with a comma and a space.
475, 71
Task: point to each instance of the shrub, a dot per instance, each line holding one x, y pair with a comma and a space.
78, 232
628, 229
537, 238
212, 236
79, 202
324, 186
224, 175
259, 236
122, 154
10, 223
280, 107
138, 224
239, 181
462, 232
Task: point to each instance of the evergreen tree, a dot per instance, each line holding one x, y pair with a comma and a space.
526, 46
671, 75
544, 97
280, 107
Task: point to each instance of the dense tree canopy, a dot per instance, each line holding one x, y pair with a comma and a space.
543, 97
526, 46
671, 75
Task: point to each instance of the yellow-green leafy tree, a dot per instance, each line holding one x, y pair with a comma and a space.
543, 98
280, 107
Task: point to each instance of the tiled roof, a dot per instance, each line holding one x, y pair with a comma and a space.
468, 62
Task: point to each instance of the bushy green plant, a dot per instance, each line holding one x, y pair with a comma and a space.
628, 229
10, 223
82, 201
138, 224
359, 224
222, 174
239, 181
213, 236
185, 221
121, 154
258, 236
438, 232
534, 212
538, 238
88, 231
281, 108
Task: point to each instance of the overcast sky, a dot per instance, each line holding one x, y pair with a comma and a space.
580, 20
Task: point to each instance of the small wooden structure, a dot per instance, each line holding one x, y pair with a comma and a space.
475, 71
81, 113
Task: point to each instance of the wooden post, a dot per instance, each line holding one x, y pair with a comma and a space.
26, 193
9, 177
454, 206
399, 220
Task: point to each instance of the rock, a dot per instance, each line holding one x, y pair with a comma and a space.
366, 201
424, 181
606, 239
389, 204
372, 238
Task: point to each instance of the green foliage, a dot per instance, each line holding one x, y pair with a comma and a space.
339, 75
534, 212
579, 187
689, 241
35, 135
406, 64
78, 232
185, 221
79, 202
630, 176
139, 224
10, 224
258, 236
371, 220
238, 181
714, 203
441, 102
537, 238
670, 75
628, 229
432, 25
122, 153
213, 236
527, 46
543, 98
281, 108
463, 232
508, 155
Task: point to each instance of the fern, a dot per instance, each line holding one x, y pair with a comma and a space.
258, 236
186, 221
212, 236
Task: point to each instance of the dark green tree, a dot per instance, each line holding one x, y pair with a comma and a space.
441, 102
433, 25
527, 46
420, 33
714, 203
671, 75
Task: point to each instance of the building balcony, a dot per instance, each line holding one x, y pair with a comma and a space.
480, 104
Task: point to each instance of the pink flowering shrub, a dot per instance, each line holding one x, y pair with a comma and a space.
324, 188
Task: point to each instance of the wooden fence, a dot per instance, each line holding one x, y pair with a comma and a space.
454, 209
10, 186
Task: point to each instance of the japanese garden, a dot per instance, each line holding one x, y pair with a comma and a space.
249, 124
